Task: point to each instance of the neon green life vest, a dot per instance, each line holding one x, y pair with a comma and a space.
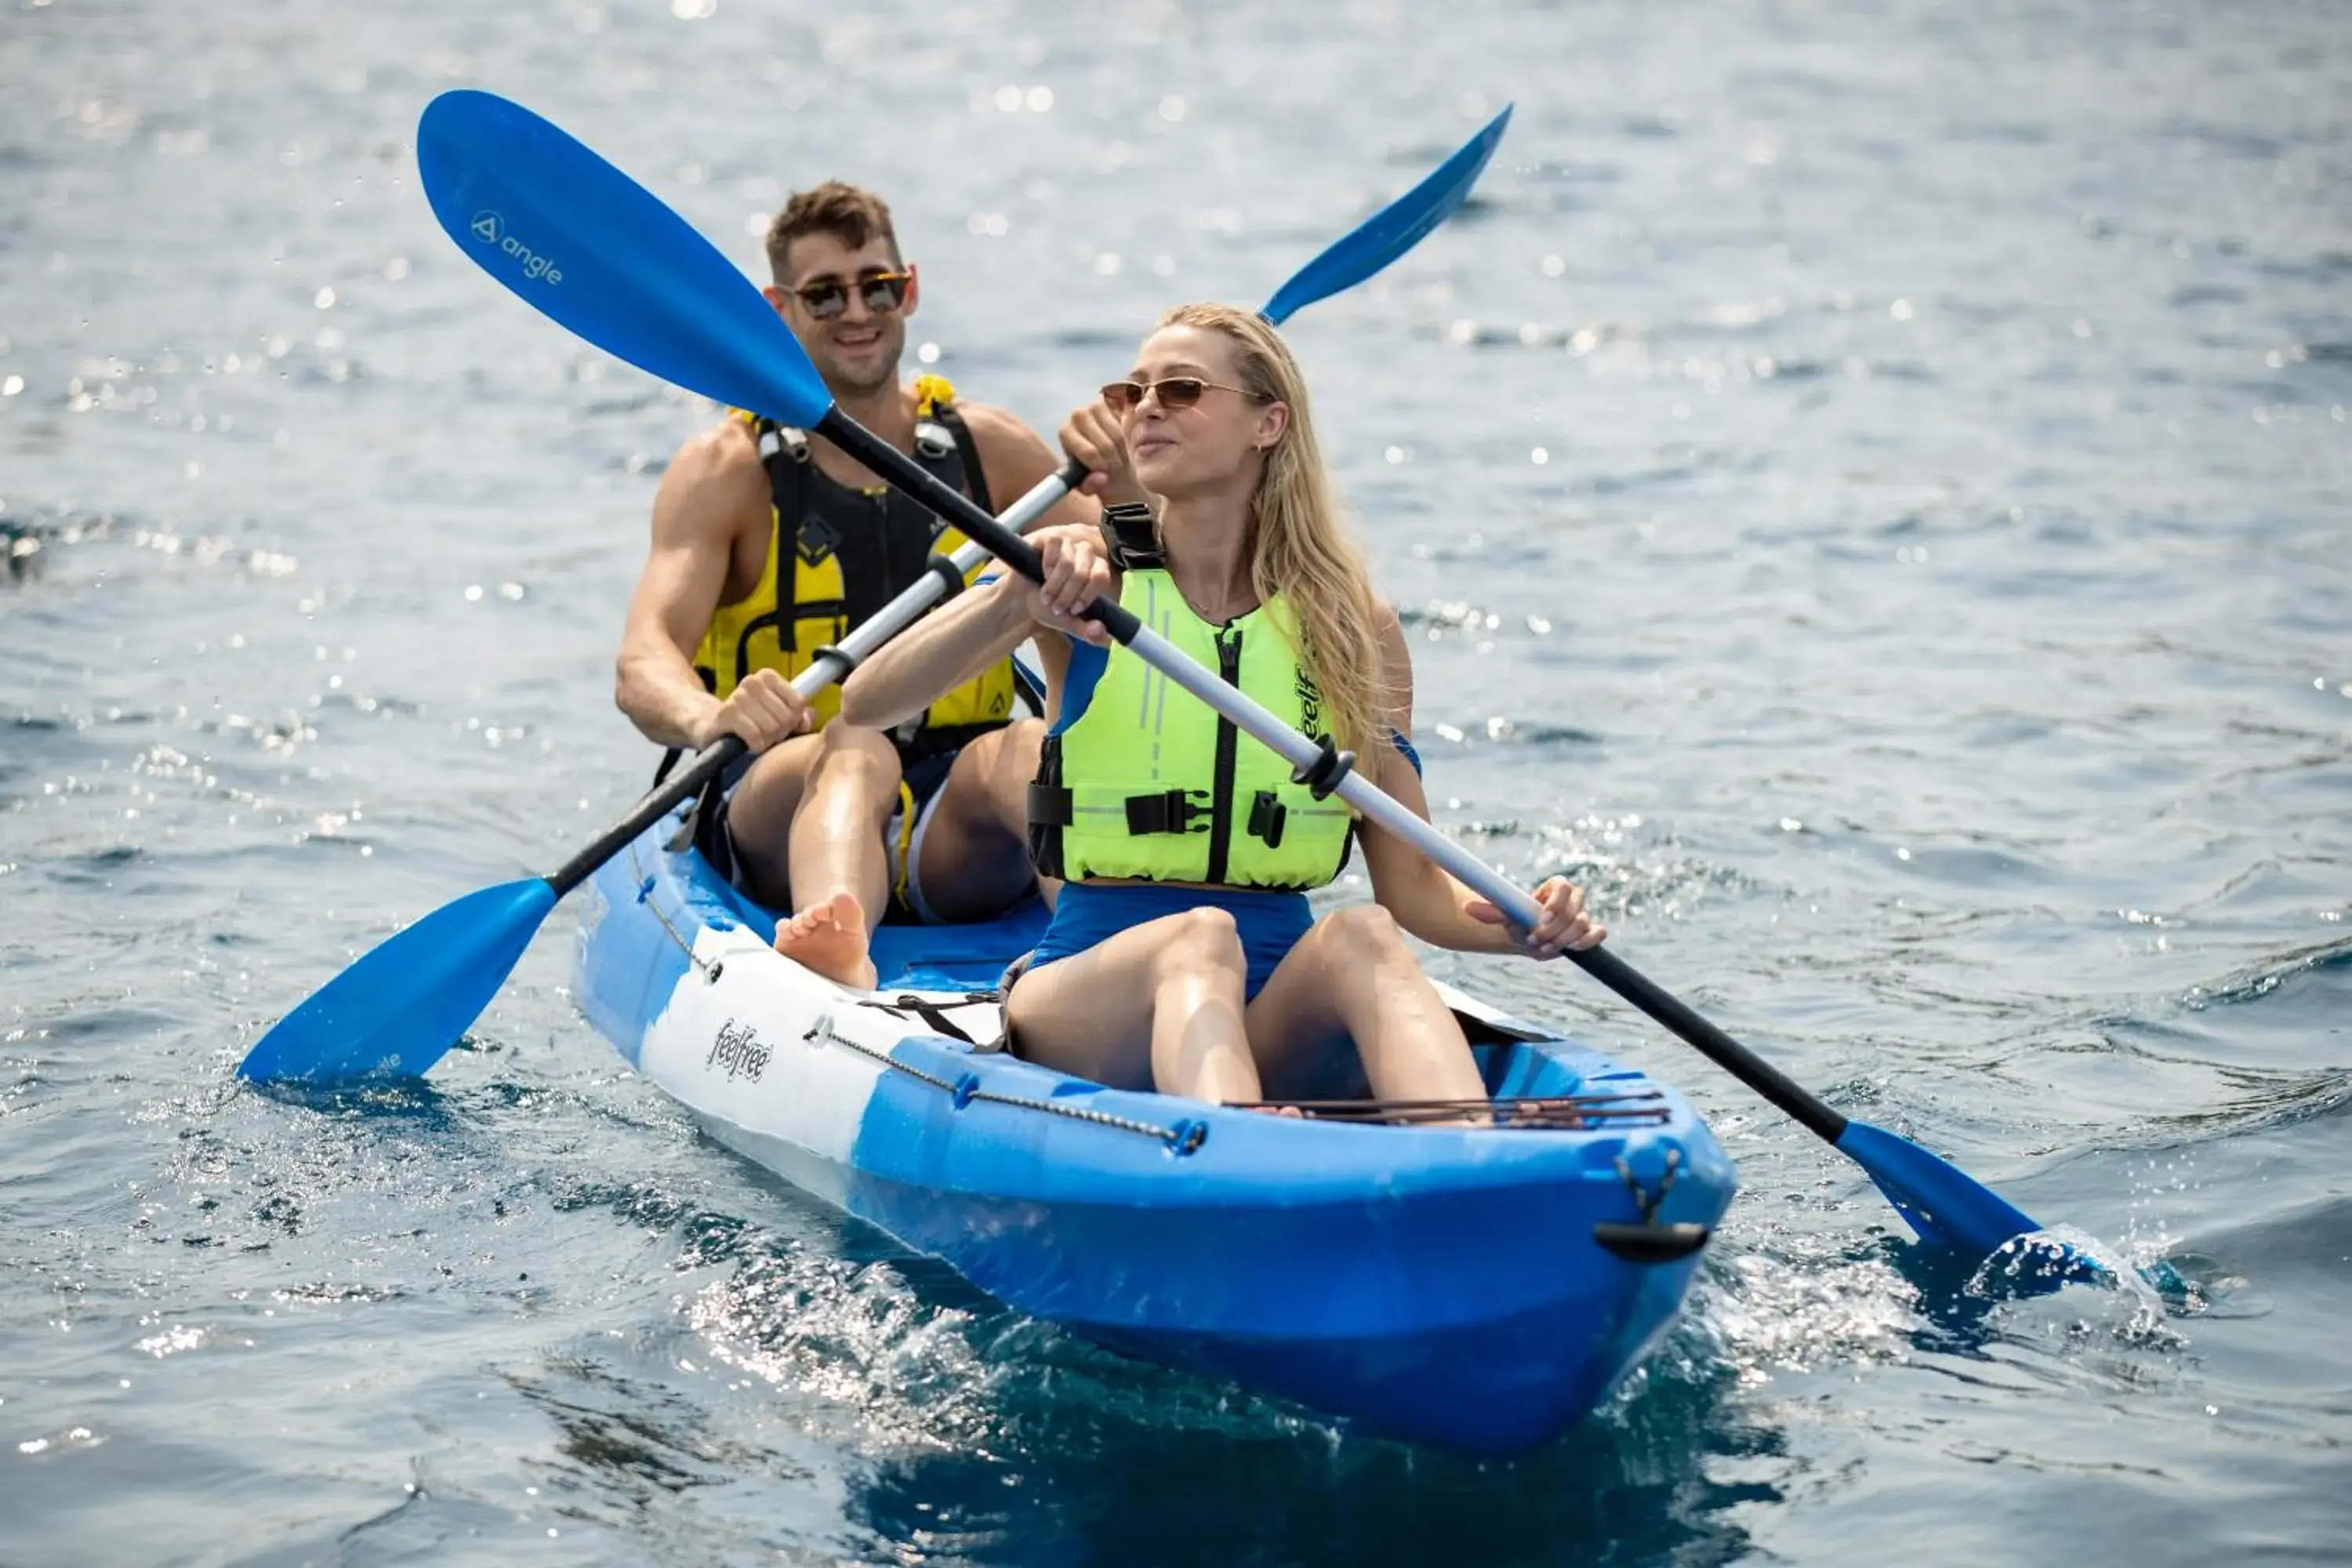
1146, 781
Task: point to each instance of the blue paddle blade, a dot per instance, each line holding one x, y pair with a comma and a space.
586, 245
1392, 231
1948, 1207
408, 1000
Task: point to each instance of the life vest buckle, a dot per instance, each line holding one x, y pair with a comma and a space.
1171, 811
1267, 815
933, 440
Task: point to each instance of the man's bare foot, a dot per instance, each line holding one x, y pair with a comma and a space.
829, 938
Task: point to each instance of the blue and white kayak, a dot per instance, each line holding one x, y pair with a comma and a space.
1474, 1289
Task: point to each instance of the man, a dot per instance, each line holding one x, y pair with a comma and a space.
771, 544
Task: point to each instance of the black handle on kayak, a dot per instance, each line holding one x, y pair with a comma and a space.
1651, 1244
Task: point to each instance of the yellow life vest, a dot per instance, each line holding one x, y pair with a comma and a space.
851, 551
1141, 779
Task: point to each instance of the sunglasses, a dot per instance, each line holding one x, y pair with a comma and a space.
882, 291
1174, 392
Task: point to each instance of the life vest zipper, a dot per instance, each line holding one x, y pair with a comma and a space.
1220, 799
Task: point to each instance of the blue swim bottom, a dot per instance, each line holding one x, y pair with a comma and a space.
1086, 915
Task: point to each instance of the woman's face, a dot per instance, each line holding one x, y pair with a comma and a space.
1214, 441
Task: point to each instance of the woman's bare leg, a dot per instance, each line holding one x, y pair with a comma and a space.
1158, 1005
1352, 975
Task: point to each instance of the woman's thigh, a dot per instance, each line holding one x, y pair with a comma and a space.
1296, 1032
1089, 1015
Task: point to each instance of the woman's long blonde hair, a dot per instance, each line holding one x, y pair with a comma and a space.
1299, 546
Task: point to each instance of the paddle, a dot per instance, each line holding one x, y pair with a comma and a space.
401, 1006
653, 292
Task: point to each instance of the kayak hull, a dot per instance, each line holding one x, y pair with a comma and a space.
1441, 1285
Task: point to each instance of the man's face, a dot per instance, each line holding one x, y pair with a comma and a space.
855, 348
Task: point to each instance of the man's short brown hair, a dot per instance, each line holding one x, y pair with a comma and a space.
852, 215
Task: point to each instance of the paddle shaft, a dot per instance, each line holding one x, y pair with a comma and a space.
1354, 788
829, 666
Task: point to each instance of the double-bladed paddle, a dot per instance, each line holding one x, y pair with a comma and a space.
547, 217
650, 289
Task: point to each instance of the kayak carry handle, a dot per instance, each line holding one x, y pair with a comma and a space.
1650, 1244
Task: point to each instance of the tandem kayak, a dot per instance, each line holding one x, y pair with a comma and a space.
1473, 1288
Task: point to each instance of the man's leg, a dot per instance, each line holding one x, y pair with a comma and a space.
974, 861
812, 830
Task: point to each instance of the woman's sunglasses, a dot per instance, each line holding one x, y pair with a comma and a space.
1175, 391
882, 291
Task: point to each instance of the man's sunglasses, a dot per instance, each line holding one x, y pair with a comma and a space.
1175, 391
829, 297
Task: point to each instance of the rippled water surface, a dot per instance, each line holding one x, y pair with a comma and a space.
1869, 486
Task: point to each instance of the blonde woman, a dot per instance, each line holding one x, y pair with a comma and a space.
1182, 954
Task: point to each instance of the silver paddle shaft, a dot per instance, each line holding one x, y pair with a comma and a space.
903, 611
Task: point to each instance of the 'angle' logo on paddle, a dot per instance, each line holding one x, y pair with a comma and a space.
491, 230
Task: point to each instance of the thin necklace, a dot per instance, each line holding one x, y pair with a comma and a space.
1225, 619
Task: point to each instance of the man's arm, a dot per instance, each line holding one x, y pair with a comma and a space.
958, 640
1014, 459
710, 492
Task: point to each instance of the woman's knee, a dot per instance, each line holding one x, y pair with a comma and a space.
1205, 940
1365, 934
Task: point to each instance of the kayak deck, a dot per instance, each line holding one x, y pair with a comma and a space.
1443, 1284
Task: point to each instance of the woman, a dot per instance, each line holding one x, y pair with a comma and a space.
1182, 954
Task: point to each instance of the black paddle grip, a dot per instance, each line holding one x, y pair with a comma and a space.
960, 509
673, 792
1713, 1043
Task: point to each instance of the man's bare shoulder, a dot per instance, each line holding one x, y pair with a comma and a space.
716, 482
727, 451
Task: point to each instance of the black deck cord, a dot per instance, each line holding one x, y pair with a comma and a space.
935, 1014
1527, 1112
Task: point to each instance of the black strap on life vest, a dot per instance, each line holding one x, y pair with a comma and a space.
1051, 808
1134, 538
975, 473
881, 553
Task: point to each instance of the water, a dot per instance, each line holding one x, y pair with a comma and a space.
1868, 490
